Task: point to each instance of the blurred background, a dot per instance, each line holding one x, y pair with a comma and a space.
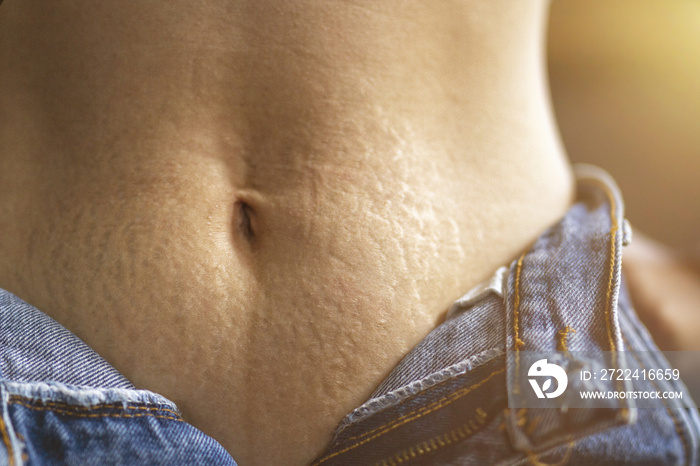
625, 78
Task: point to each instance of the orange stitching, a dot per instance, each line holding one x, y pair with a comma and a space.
676, 423
608, 308
93, 415
516, 305
18, 398
442, 440
613, 233
417, 414
516, 324
563, 338
613, 236
398, 458
6, 441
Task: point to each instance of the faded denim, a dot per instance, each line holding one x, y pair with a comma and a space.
64, 404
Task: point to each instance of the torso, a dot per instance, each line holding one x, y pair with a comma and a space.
370, 212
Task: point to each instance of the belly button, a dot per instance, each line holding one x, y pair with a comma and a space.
243, 218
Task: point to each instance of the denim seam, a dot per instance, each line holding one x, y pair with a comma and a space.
70, 412
428, 408
85, 396
453, 436
419, 386
613, 239
458, 393
70, 407
613, 265
601, 179
518, 344
406, 418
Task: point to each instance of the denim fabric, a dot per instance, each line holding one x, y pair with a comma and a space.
63, 404
447, 402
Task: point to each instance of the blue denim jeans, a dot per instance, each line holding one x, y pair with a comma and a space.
446, 403
453, 399
64, 404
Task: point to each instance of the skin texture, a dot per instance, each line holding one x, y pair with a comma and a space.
257, 208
